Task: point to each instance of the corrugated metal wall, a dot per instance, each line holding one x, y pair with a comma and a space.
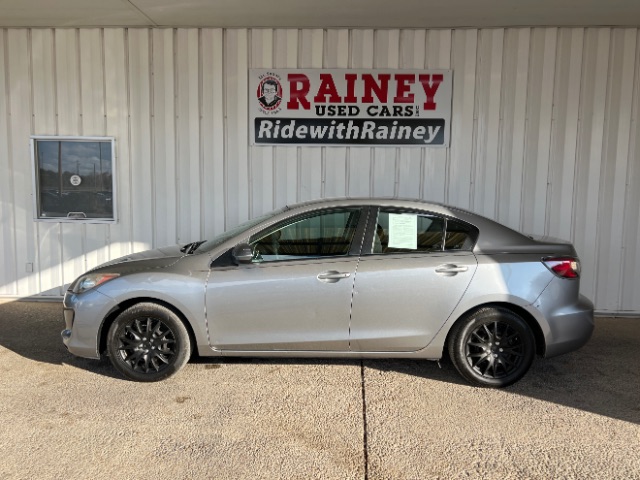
545, 138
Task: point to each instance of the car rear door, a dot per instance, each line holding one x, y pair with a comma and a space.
413, 278
296, 296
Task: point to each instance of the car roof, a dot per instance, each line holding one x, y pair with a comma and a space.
493, 237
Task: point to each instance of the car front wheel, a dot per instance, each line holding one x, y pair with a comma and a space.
492, 347
148, 342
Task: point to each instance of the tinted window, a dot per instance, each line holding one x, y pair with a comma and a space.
460, 236
407, 232
319, 235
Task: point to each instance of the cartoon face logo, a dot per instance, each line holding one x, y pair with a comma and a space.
269, 93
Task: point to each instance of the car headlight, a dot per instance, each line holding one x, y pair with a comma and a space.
91, 280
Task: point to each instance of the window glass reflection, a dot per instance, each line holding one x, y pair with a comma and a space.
75, 179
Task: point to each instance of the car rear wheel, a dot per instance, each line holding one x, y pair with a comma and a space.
492, 347
148, 342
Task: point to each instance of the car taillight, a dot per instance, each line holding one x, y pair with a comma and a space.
565, 267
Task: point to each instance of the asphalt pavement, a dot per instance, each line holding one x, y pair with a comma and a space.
575, 416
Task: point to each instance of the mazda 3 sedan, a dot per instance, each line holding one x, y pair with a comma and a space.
349, 278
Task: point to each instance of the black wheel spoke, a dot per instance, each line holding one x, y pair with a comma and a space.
486, 369
506, 362
476, 354
486, 329
129, 331
128, 342
157, 330
162, 357
133, 357
138, 325
483, 356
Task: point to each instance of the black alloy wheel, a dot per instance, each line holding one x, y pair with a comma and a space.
148, 342
492, 347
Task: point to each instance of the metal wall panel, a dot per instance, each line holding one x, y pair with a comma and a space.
236, 166
49, 248
545, 138
631, 238
8, 232
513, 113
116, 62
17, 62
589, 153
141, 166
261, 167
163, 126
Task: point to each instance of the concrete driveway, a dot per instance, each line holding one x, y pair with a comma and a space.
577, 416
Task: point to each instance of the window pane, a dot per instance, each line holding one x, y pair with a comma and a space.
75, 179
460, 236
407, 232
327, 234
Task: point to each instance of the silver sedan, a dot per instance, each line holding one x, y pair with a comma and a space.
350, 278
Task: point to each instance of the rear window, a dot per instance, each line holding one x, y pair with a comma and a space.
404, 232
459, 236
400, 232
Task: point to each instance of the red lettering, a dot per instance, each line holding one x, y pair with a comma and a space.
351, 88
430, 84
370, 86
298, 90
327, 88
403, 86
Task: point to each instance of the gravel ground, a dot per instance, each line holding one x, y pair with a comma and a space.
576, 416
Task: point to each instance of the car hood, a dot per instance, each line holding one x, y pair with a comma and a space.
155, 258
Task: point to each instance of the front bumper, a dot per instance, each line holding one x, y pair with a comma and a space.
83, 317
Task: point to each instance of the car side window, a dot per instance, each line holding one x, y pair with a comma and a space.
325, 234
459, 236
405, 232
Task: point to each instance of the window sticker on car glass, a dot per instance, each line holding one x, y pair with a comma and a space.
402, 231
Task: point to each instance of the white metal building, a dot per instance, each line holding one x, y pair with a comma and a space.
545, 135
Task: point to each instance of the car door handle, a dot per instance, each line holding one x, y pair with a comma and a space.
451, 269
332, 276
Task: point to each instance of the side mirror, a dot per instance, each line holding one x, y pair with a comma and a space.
242, 253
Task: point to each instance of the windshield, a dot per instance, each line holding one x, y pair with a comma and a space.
223, 237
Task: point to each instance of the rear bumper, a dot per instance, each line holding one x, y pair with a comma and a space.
569, 327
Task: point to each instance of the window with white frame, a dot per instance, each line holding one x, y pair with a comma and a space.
74, 179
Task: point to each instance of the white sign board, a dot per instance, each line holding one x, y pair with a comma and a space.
403, 231
350, 107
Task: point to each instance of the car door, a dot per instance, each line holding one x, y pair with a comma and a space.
414, 276
296, 294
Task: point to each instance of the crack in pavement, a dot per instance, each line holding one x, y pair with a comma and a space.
364, 422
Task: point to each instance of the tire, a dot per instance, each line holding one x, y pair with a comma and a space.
492, 347
143, 357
